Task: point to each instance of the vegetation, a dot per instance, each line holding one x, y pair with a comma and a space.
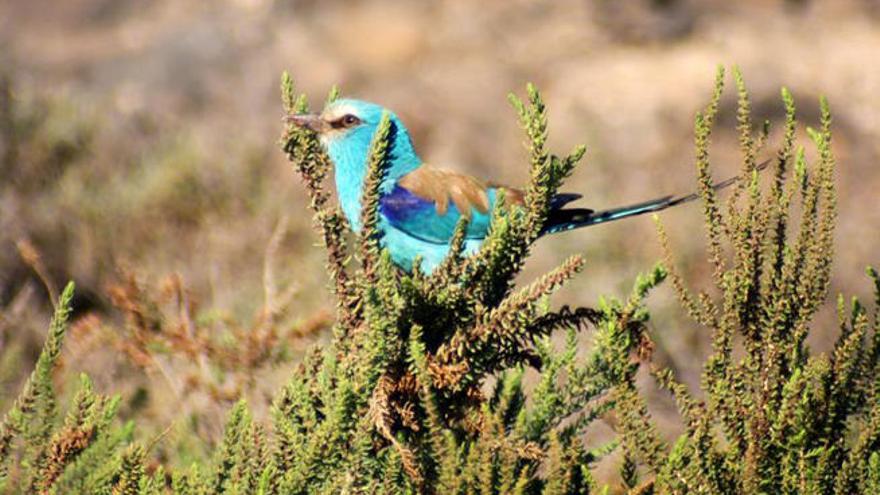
774, 418
423, 387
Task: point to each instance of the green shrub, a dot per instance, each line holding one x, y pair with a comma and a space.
772, 417
421, 389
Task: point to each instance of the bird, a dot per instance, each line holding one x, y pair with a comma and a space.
420, 204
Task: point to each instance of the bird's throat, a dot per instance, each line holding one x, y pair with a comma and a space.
350, 159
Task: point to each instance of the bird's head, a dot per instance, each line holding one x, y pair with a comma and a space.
342, 121
346, 127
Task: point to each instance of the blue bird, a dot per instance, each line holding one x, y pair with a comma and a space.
419, 204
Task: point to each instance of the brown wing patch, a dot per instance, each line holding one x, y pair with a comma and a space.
442, 186
511, 196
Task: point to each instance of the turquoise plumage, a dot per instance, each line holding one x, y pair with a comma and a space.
420, 205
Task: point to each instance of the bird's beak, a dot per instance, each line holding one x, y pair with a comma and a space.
309, 121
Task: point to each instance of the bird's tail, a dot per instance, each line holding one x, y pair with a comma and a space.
573, 218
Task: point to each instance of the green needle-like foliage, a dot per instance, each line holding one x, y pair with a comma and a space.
40, 453
422, 388
397, 403
775, 418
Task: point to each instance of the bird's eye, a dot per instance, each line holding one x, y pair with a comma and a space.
346, 121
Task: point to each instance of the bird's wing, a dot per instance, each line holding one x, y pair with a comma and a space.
428, 202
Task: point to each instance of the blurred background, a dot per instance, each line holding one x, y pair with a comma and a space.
139, 158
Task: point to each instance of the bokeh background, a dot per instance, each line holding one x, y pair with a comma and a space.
139, 158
